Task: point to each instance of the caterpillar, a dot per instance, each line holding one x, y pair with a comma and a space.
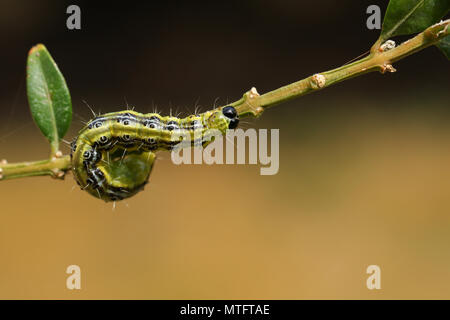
113, 155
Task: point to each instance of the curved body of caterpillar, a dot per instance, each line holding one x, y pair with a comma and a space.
113, 155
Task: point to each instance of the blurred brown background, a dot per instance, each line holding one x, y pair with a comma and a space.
364, 166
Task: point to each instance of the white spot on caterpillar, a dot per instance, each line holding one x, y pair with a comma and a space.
1, 173
388, 45
58, 154
318, 81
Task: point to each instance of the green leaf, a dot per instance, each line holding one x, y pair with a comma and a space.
48, 96
444, 46
405, 17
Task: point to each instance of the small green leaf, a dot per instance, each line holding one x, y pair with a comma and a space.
405, 17
444, 46
48, 96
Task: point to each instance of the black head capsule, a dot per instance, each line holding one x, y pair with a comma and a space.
233, 123
231, 113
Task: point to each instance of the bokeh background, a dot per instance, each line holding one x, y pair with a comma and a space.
364, 166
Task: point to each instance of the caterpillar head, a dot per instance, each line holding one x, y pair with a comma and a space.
223, 118
230, 113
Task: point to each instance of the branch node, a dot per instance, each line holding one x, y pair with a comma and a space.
249, 104
387, 68
433, 32
253, 93
318, 81
58, 154
443, 31
58, 174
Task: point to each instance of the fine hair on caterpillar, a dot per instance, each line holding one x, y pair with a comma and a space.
113, 155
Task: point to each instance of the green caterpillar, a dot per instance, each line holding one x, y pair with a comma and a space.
113, 155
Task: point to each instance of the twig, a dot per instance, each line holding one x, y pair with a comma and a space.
253, 104
55, 167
